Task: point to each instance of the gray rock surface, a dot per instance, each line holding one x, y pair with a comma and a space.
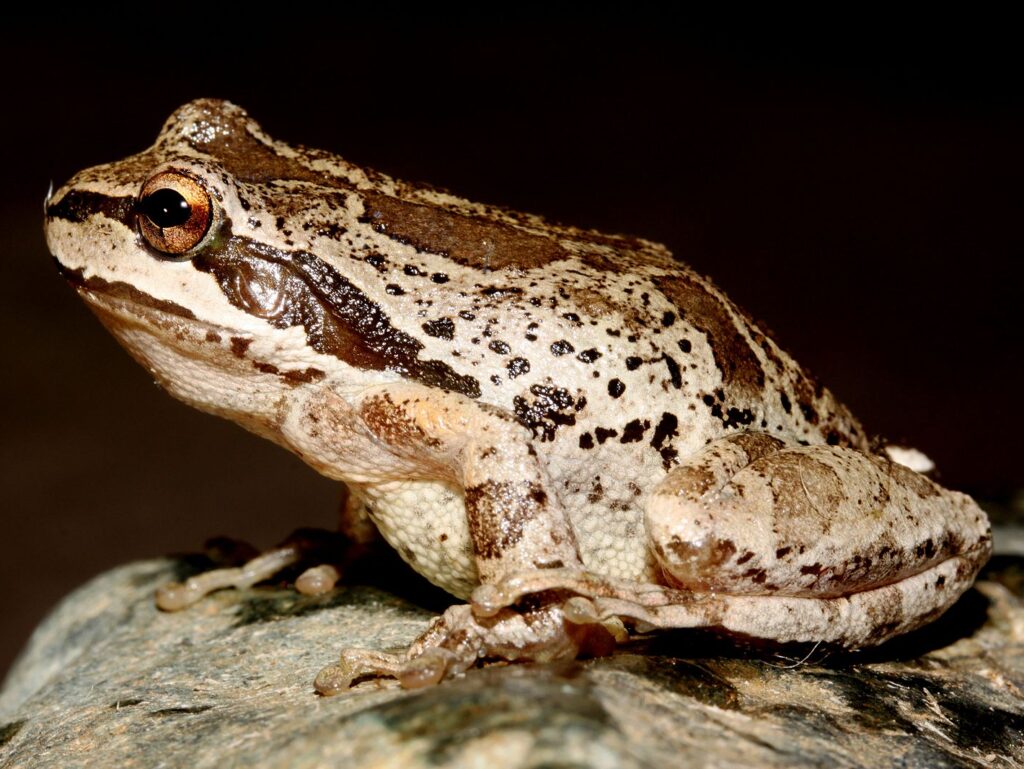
108, 681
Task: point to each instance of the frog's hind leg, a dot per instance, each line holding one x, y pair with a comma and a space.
813, 543
790, 543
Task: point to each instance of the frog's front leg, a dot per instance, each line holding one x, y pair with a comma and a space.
793, 543
515, 521
322, 548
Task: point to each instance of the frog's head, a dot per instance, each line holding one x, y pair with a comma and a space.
221, 249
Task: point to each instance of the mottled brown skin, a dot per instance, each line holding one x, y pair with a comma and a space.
574, 430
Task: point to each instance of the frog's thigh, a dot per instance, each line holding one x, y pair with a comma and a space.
816, 537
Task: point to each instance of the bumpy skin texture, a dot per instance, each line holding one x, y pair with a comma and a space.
573, 429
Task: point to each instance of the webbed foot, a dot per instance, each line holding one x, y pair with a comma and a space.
546, 630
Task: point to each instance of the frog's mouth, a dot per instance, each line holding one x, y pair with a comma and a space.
122, 307
121, 292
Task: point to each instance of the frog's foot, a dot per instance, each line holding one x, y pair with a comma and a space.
458, 639
599, 600
309, 545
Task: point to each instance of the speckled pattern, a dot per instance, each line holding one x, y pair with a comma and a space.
514, 402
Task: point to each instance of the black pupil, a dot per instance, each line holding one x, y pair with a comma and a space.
166, 208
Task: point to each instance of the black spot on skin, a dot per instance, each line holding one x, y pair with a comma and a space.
757, 576
668, 319
499, 291
616, 388
499, 347
466, 315
633, 363
586, 441
782, 551
334, 231
239, 346
809, 413
926, 549
376, 260
737, 417
562, 347
786, 405
673, 371
572, 318
666, 429
411, 270
517, 367
812, 569
551, 408
603, 434
394, 289
293, 377
633, 432
442, 328
588, 356
745, 557
439, 277
684, 345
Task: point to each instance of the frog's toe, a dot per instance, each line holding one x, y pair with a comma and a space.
318, 580
175, 596
459, 639
357, 664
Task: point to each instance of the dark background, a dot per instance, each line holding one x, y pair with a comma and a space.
854, 183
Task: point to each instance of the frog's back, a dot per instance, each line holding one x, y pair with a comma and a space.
564, 327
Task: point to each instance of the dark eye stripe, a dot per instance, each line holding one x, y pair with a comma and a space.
79, 205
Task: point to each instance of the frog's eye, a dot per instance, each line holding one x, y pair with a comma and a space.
174, 212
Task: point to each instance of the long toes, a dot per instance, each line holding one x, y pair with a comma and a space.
333, 679
427, 669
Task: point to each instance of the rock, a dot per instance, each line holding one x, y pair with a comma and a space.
107, 680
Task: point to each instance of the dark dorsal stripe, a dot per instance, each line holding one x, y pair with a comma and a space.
470, 241
707, 311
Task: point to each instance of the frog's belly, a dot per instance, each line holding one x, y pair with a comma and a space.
425, 521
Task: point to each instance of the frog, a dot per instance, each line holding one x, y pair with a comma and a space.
575, 434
